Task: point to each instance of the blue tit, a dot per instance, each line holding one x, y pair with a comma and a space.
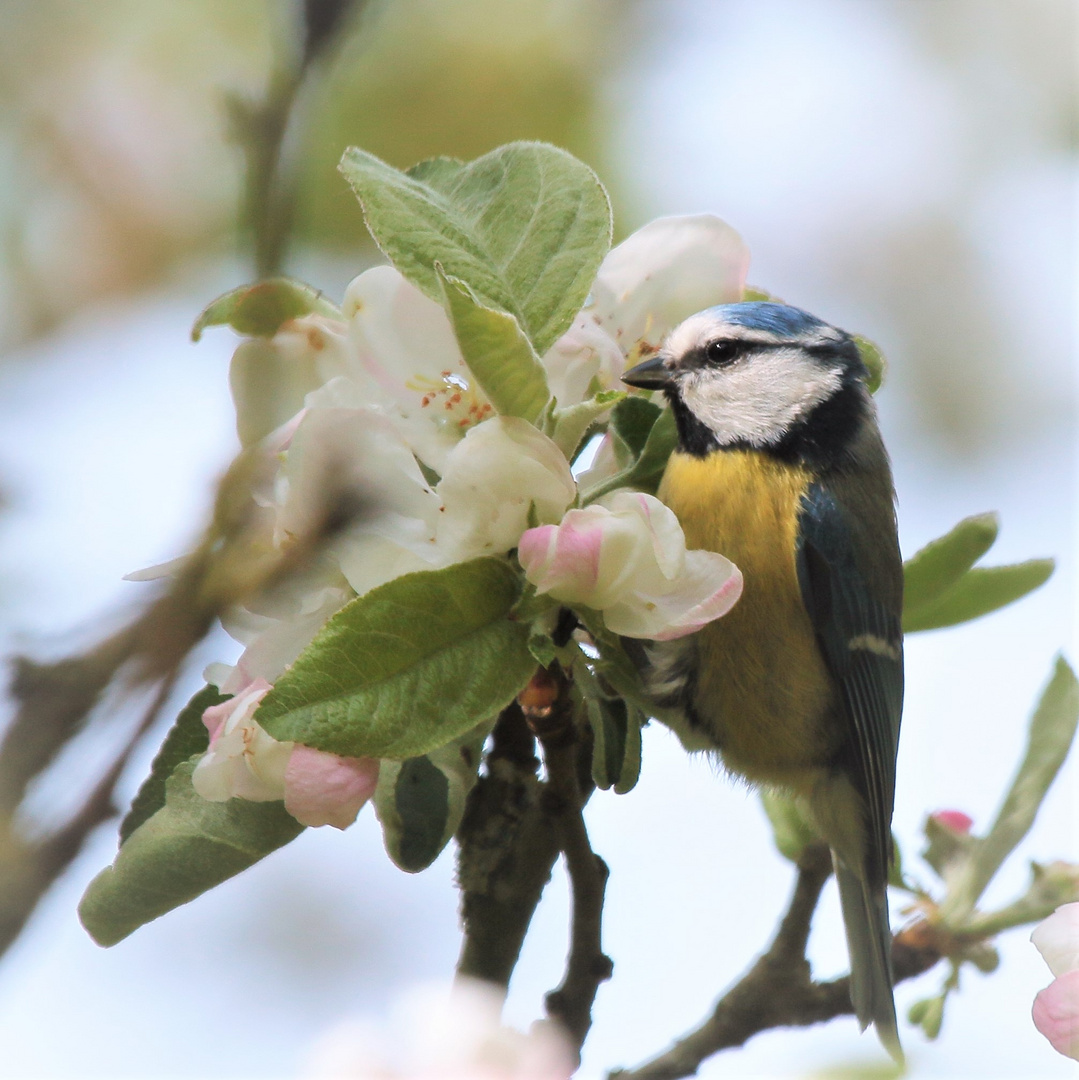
780, 466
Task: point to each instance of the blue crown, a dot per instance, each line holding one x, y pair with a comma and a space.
765, 315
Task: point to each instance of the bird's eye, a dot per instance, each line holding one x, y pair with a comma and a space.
721, 352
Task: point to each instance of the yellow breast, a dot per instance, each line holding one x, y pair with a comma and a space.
762, 691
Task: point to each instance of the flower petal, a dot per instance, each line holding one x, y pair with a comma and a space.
501, 471
1056, 1014
665, 272
1057, 939
270, 378
707, 589
243, 760
584, 360
324, 789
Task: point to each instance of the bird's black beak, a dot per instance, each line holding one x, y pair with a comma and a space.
650, 374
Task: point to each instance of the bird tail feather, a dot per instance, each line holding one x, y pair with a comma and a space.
869, 942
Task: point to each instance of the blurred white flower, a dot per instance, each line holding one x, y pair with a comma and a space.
1057, 939
501, 471
244, 762
278, 632
625, 555
1056, 1008
269, 378
436, 1035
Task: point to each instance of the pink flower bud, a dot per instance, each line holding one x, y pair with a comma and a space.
625, 555
954, 821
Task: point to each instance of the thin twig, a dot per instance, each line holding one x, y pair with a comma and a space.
30, 868
261, 128
778, 990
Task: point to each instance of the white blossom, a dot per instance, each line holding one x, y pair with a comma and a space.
501, 471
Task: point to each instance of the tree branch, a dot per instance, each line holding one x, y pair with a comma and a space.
549, 710
506, 850
778, 990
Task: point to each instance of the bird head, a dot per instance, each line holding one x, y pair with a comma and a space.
759, 375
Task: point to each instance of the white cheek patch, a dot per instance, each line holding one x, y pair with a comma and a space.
759, 398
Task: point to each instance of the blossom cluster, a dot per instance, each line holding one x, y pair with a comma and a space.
391, 409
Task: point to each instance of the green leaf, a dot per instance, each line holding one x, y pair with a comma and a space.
616, 746
187, 737
526, 226
568, 427
260, 310
632, 421
188, 846
874, 362
497, 353
408, 666
647, 471
631, 756
928, 1014
542, 647
420, 801
658, 447
790, 828
941, 563
755, 293
1052, 729
978, 592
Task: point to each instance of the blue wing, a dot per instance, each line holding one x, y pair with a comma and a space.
861, 639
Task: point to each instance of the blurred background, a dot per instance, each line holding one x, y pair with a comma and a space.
906, 169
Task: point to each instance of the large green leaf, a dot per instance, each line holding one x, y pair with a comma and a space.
929, 573
497, 353
408, 666
187, 737
420, 802
260, 310
525, 226
978, 592
188, 846
1052, 729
